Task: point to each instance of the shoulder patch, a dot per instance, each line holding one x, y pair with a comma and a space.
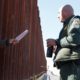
76, 21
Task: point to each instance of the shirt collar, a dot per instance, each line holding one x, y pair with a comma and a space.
67, 20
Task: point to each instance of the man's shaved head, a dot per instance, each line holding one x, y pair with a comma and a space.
67, 8
65, 12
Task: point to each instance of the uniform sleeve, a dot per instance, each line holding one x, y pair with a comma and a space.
73, 38
4, 42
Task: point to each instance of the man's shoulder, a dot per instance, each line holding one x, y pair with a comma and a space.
75, 20
77, 16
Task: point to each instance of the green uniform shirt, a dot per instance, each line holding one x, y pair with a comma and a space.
69, 40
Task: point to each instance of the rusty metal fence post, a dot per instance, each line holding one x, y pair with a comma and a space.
22, 61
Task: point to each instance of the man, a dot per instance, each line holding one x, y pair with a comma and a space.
67, 54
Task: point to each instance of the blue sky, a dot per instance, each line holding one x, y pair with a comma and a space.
48, 10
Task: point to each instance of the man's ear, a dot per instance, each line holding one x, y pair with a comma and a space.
65, 14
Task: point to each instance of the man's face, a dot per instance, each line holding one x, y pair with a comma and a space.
65, 12
60, 15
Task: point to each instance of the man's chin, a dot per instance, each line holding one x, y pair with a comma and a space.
62, 21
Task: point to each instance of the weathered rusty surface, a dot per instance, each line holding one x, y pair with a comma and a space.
24, 60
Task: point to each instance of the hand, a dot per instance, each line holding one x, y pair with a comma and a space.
13, 41
52, 42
